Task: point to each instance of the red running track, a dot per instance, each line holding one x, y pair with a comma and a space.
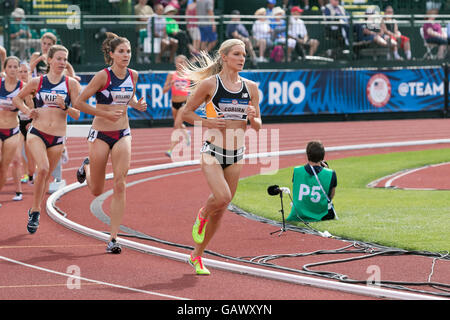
432, 177
165, 207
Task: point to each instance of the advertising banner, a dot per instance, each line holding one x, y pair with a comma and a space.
302, 92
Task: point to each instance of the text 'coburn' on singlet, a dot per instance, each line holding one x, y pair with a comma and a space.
47, 92
7, 96
232, 105
116, 91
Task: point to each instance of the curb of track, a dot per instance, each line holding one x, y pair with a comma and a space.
259, 272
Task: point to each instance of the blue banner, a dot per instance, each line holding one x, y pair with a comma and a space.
302, 92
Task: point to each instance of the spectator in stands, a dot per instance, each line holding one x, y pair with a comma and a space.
270, 5
192, 27
161, 2
279, 29
173, 30
208, 32
262, 33
389, 27
370, 30
20, 35
238, 31
160, 34
143, 9
341, 26
286, 5
298, 32
307, 4
433, 33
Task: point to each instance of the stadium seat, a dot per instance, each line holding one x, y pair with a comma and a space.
428, 46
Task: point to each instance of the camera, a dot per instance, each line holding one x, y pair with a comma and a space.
324, 164
274, 190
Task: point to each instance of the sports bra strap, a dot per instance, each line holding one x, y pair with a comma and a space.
107, 81
131, 75
40, 83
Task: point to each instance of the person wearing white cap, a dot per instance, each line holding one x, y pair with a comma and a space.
159, 23
279, 27
262, 33
20, 34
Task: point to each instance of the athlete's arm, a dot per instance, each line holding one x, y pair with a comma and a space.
202, 93
19, 100
35, 59
75, 89
168, 83
253, 113
140, 105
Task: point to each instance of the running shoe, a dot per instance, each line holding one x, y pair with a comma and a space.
18, 196
200, 268
33, 221
113, 247
81, 174
199, 228
24, 178
169, 153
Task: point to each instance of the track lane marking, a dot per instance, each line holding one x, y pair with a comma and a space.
92, 280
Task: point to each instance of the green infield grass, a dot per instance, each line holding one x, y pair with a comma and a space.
407, 219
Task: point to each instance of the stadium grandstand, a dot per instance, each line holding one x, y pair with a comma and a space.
80, 26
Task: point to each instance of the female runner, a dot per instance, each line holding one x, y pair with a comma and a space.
230, 101
20, 163
9, 121
38, 60
179, 87
46, 135
24, 124
114, 89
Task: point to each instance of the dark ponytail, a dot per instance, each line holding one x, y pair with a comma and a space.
110, 44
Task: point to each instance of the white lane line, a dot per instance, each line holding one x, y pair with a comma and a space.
72, 276
388, 183
320, 283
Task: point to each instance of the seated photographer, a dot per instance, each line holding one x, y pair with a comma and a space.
314, 186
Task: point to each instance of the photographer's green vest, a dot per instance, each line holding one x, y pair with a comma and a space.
309, 202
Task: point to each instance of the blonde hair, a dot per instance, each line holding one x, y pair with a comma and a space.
50, 36
260, 12
205, 66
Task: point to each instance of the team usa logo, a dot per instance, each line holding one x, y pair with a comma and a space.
378, 90
234, 101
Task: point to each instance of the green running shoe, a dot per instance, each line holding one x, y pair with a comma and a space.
199, 228
197, 263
